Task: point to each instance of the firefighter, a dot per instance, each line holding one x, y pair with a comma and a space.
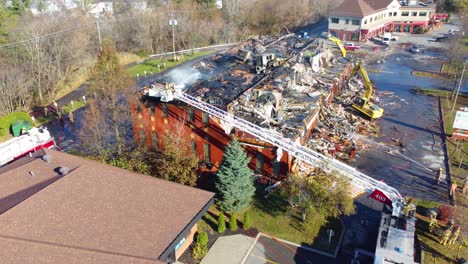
408, 207
432, 220
433, 224
465, 185
456, 232
446, 236
453, 189
438, 175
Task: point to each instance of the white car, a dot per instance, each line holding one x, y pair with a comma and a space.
414, 49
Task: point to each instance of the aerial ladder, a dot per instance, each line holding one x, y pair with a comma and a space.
377, 190
339, 44
362, 103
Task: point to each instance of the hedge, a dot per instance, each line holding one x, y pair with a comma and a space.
8, 120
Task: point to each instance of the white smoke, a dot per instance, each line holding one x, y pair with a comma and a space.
183, 76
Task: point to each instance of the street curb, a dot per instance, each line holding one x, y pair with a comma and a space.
444, 147
299, 246
250, 249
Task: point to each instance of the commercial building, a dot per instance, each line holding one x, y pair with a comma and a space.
360, 20
285, 97
60, 208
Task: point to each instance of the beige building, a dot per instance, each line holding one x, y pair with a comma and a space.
360, 20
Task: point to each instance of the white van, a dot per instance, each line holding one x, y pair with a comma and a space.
386, 38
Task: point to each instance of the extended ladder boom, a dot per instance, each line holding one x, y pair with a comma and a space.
307, 155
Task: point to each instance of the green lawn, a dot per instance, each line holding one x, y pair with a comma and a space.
426, 74
64, 109
8, 120
431, 249
434, 252
151, 66
269, 216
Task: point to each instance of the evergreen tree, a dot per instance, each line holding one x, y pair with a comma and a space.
221, 223
246, 222
235, 183
233, 222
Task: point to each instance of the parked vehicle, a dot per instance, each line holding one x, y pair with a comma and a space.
442, 38
386, 38
415, 49
30, 141
351, 46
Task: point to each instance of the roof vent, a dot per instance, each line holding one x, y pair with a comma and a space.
32, 173
64, 171
47, 158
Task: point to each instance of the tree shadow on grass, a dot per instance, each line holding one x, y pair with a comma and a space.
275, 204
210, 218
433, 253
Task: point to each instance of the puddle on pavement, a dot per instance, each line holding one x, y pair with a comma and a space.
413, 119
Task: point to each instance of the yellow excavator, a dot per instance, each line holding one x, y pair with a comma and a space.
339, 44
362, 103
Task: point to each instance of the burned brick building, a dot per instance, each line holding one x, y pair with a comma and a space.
280, 84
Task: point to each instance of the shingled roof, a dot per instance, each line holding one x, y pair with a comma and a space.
359, 8
94, 214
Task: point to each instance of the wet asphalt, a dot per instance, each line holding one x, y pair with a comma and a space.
412, 119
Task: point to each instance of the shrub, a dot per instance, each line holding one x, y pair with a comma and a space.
445, 213
233, 222
8, 120
221, 223
246, 222
202, 238
199, 251
201, 246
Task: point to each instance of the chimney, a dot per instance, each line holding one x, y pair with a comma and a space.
64, 171
47, 158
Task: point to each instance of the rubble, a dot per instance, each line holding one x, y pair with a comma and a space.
284, 84
334, 134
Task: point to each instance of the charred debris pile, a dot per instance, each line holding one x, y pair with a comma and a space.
282, 84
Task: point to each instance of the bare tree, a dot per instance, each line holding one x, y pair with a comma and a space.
112, 84
176, 161
15, 94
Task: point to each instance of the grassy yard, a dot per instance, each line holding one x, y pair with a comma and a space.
458, 162
431, 249
426, 74
269, 215
151, 66
64, 109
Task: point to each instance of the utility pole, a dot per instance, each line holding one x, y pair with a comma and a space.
173, 23
458, 89
99, 34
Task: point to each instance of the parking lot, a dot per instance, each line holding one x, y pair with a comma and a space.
425, 41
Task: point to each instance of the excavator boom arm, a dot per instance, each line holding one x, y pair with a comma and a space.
365, 79
339, 44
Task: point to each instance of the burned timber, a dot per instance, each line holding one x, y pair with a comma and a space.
286, 85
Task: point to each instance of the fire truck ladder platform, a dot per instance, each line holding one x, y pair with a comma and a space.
357, 179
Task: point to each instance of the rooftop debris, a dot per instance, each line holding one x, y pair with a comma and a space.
281, 84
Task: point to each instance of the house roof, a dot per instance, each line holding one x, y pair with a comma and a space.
376, 5
353, 8
360, 8
94, 214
